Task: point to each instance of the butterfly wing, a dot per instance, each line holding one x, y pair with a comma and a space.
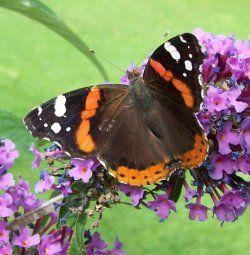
173, 76
179, 130
174, 69
103, 121
78, 121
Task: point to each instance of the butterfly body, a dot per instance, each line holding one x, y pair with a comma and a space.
138, 130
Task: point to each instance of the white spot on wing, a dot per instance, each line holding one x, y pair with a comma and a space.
56, 127
39, 108
188, 65
58, 144
190, 55
68, 129
182, 39
46, 138
102, 162
60, 108
45, 124
200, 79
172, 50
184, 74
66, 152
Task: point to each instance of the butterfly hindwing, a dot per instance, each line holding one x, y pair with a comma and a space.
174, 69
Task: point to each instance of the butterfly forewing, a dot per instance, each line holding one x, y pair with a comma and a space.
174, 69
77, 121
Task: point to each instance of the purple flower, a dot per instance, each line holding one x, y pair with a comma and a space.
197, 210
21, 196
96, 246
189, 193
221, 163
6, 181
5, 202
50, 246
204, 118
244, 164
162, 205
245, 135
226, 137
231, 205
243, 49
117, 250
232, 94
215, 100
6, 249
82, 170
45, 184
25, 239
224, 212
4, 234
135, 193
233, 198
7, 154
64, 185
38, 157
236, 66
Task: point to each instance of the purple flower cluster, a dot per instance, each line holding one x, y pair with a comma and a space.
17, 198
81, 170
226, 58
45, 239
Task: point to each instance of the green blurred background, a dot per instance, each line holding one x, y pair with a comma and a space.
36, 64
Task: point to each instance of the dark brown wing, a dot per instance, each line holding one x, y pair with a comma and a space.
131, 152
78, 121
175, 69
179, 130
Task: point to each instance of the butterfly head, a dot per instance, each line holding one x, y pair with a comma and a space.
133, 75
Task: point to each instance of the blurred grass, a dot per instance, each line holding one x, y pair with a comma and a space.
36, 64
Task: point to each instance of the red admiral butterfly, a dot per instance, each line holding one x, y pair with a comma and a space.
135, 131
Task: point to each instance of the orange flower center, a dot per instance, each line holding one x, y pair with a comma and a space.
217, 102
24, 242
84, 170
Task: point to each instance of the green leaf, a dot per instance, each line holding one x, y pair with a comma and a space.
77, 245
12, 127
38, 11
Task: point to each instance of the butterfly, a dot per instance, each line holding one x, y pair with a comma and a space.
138, 130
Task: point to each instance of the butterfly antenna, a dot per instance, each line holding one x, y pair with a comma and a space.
151, 50
107, 61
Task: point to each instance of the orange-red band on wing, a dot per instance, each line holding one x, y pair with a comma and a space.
159, 68
83, 138
197, 155
135, 177
181, 86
